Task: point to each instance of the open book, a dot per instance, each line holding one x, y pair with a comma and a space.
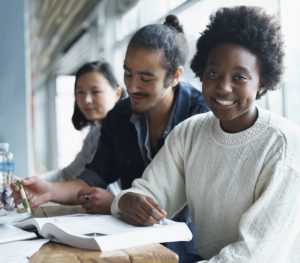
105, 232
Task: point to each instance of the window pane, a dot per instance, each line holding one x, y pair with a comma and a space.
291, 24
69, 140
127, 23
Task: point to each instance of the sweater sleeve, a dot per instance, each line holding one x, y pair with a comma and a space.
163, 177
83, 157
269, 230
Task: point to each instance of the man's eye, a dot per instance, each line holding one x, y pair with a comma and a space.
127, 73
146, 79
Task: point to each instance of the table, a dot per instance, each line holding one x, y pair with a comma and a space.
54, 252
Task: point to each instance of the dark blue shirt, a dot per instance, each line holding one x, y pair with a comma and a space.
141, 124
118, 155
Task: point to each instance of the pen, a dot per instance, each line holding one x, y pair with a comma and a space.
23, 195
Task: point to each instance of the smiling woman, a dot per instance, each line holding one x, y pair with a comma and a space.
94, 96
96, 92
231, 82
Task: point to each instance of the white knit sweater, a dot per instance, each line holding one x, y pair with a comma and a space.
242, 189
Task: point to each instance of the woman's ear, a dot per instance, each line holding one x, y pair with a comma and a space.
177, 76
262, 88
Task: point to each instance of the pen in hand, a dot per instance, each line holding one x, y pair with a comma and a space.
23, 195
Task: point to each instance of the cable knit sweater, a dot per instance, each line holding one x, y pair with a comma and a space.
242, 189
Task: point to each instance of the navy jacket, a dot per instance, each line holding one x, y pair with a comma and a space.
118, 155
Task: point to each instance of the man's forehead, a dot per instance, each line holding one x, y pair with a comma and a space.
144, 60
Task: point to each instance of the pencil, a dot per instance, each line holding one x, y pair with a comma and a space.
23, 195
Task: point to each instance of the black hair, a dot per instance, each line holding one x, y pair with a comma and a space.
169, 37
250, 27
78, 119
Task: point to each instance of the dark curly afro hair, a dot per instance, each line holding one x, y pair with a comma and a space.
250, 27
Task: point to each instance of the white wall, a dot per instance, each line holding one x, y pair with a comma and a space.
14, 97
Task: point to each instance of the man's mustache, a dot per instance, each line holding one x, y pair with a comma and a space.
139, 94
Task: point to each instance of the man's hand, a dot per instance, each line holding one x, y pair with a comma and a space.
95, 200
36, 189
142, 210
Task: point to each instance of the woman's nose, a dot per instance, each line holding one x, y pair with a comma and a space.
224, 85
88, 98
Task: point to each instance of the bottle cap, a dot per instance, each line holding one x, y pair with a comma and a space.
4, 146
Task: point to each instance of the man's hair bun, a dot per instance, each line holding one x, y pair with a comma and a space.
173, 21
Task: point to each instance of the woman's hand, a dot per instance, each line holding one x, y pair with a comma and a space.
95, 200
139, 209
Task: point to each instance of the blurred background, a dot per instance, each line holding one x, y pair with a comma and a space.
43, 42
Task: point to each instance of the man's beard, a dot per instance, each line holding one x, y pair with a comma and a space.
136, 109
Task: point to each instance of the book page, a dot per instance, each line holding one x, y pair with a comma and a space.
89, 224
39, 222
169, 231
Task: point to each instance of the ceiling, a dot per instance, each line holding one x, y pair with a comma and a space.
54, 25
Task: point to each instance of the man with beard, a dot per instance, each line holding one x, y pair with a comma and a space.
135, 129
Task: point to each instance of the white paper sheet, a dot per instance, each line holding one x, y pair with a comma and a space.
9, 233
20, 251
9, 217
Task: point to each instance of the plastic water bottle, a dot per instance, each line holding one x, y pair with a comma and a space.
3, 152
7, 171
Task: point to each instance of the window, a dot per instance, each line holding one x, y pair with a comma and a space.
69, 140
290, 20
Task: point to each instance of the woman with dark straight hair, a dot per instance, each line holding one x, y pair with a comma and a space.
96, 93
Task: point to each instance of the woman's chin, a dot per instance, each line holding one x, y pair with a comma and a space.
95, 118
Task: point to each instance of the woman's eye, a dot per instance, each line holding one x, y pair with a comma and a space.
95, 92
212, 75
79, 92
240, 77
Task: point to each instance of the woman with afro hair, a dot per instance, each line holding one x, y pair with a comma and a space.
238, 166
